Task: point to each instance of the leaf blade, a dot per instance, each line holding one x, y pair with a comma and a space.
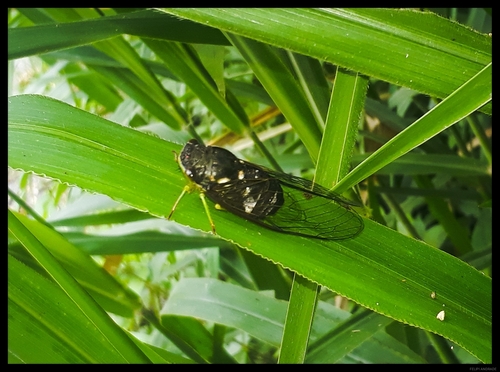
380, 269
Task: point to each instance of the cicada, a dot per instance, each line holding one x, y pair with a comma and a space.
275, 200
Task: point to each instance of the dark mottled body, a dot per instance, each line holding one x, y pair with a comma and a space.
217, 170
272, 199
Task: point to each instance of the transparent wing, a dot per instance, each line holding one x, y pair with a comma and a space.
307, 210
315, 216
303, 184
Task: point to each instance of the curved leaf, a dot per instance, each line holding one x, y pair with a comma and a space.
404, 46
381, 269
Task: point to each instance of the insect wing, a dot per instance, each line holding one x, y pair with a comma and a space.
315, 216
253, 199
300, 206
310, 187
310, 209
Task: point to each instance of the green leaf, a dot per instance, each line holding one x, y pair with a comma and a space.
346, 106
380, 269
346, 337
183, 62
110, 294
262, 317
230, 305
404, 46
414, 163
348, 95
474, 94
39, 310
271, 69
107, 331
42, 39
298, 322
141, 242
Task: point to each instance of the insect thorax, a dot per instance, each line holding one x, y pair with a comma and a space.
234, 184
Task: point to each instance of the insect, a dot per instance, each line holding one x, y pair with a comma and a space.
275, 200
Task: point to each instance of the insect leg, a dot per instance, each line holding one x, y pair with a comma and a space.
184, 190
207, 210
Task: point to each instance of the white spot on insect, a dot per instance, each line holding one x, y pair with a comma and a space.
223, 180
440, 315
247, 191
249, 204
241, 174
